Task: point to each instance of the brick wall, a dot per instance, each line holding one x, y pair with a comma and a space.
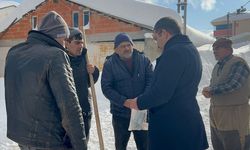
99, 23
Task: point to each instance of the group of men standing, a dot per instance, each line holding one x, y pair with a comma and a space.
49, 105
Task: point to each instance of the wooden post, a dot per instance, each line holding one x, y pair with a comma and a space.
91, 79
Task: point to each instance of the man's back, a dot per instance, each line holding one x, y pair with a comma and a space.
175, 110
35, 92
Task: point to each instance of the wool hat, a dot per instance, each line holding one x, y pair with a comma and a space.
122, 37
75, 34
223, 43
54, 25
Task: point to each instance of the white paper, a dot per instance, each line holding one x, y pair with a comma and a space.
138, 120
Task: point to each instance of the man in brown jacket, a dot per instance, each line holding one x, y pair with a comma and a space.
229, 92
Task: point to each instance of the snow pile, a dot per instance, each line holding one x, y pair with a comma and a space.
4, 4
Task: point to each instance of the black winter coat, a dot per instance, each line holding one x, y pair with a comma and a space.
81, 78
41, 101
175, 122
118, 84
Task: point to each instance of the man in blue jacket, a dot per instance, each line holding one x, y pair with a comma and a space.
175, 122
126, 74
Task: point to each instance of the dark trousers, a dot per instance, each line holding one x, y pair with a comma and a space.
25, 147
87, 125
225, 140
120, 126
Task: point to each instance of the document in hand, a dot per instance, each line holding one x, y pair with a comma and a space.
138, 120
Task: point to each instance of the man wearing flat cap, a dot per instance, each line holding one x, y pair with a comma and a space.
126, 74
229, 92
41, 100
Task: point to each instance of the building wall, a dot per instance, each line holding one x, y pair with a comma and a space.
242, 26
99, 23
238, 27
96, 52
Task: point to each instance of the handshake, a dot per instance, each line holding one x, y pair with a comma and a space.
131, 103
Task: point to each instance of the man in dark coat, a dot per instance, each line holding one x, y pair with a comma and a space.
126, 74
41, 101
175, 122
76, 50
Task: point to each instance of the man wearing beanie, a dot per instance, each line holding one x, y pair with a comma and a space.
77, 52
229, 92
41, 100
126, 74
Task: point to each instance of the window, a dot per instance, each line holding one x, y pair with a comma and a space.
75, 19
86, 16
34, 22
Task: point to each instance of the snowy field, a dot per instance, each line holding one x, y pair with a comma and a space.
103, 104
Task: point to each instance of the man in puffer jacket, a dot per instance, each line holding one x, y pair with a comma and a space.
41, 100
126, 74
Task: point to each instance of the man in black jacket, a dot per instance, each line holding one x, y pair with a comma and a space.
77, 52
126, 74
175, 121
41, 100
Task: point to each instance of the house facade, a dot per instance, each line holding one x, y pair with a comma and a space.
101, 20
231, 25
100, 28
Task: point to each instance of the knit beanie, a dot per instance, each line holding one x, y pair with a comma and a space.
54, 25
122, 37
75, 34
223, 43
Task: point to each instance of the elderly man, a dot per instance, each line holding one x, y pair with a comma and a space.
229, 93
126, 74
41, 100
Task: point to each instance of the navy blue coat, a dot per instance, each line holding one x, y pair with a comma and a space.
82, 83
175, 122
118, 84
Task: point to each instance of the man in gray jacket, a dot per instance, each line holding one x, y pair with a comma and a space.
41, 101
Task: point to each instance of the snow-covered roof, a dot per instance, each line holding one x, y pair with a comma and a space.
137, 12
232, 17
4, 4
22, 9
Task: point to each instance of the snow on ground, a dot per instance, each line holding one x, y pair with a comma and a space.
103, 104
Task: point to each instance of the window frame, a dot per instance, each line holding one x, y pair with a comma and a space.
33, 27
86, 26
73, 19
